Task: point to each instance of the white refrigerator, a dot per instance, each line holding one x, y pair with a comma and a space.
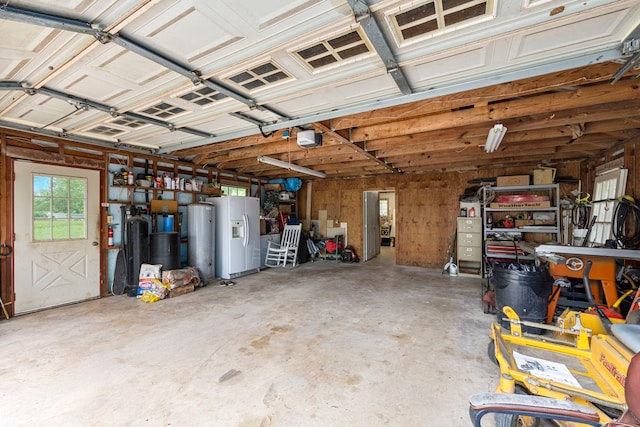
237, 235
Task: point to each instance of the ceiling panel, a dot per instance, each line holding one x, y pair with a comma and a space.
563, 36
446, 67
186, 31
159, 55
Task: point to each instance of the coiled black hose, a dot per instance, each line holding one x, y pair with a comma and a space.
626, 223
580, 216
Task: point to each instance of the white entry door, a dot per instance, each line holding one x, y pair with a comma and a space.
56, 247
371, 221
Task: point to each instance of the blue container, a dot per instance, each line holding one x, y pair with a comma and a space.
167, 223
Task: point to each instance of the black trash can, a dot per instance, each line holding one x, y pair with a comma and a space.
526, 289
137, 250
165, 250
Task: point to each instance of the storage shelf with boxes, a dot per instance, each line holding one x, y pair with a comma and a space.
280, 207
515, 213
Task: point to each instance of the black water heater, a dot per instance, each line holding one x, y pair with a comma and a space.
137, 250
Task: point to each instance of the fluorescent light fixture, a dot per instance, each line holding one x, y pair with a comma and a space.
495, 138
285, 165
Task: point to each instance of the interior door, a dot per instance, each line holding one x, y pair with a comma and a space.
371, 221
57, 232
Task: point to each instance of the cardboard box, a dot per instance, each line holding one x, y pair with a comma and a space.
164, 206
176, 292
512, 180
273, 187
521, 205
544, 176
263, 226
284, 208
524, 222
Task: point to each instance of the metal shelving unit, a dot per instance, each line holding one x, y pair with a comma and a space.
493, 248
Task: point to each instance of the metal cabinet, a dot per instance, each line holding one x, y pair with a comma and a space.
469, 247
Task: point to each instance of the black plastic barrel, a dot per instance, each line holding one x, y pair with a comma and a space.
526, 289
165, 250
137, 250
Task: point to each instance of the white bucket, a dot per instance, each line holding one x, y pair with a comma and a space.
453, 270
579, 234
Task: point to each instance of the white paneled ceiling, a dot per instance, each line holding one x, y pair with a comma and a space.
172, 75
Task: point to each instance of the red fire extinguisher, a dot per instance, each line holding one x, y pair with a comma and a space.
110, 236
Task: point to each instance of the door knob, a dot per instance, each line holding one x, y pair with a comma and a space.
95, 244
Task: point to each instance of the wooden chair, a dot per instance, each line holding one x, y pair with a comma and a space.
286, 250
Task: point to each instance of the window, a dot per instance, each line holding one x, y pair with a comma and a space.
59, 208
106, 131
130, 123
203, 96
608, 186
436, 16
336, 50
230, 190
384, 207
163, 110
259, 76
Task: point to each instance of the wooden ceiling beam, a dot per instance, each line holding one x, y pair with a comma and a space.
476, 146
278, 148
544, 149
455, 140
531, 161
315, 154
594, 113
579, 76
308, 162
579, 98
349, 143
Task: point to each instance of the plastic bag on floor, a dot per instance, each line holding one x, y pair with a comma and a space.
181, 277
149, 273
156, 292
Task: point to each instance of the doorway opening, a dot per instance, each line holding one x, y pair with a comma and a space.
387, 218
379, 230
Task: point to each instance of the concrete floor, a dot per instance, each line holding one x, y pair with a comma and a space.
325, 344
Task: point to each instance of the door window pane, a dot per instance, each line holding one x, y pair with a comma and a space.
42, 186
59, 207
42, 229
78, 188
76, 229
60, 187
41, 207
60, 229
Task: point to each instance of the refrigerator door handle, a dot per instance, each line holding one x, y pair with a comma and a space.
245, 218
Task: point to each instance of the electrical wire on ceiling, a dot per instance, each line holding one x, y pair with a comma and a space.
266, 135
